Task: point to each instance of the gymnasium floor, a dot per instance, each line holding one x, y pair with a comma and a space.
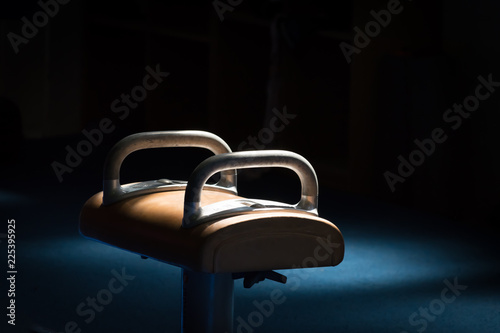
397, 265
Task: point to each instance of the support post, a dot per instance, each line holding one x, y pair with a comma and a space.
207, 302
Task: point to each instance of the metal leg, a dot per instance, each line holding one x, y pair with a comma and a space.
207, 302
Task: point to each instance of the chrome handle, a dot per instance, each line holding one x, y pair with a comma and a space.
113, 191
250, 159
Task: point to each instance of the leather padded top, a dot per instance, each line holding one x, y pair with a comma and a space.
151, 225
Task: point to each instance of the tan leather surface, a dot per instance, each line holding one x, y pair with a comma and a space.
151, 225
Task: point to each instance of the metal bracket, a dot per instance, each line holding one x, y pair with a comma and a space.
233, 207
251, 278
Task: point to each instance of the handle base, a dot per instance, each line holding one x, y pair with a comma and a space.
115, 193
228, 208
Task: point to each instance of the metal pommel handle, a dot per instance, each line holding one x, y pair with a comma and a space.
112, 189
251, 159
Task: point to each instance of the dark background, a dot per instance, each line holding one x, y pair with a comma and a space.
352, 120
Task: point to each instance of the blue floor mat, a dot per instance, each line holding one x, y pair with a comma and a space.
397, 266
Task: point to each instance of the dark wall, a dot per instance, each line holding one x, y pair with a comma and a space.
350, 102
